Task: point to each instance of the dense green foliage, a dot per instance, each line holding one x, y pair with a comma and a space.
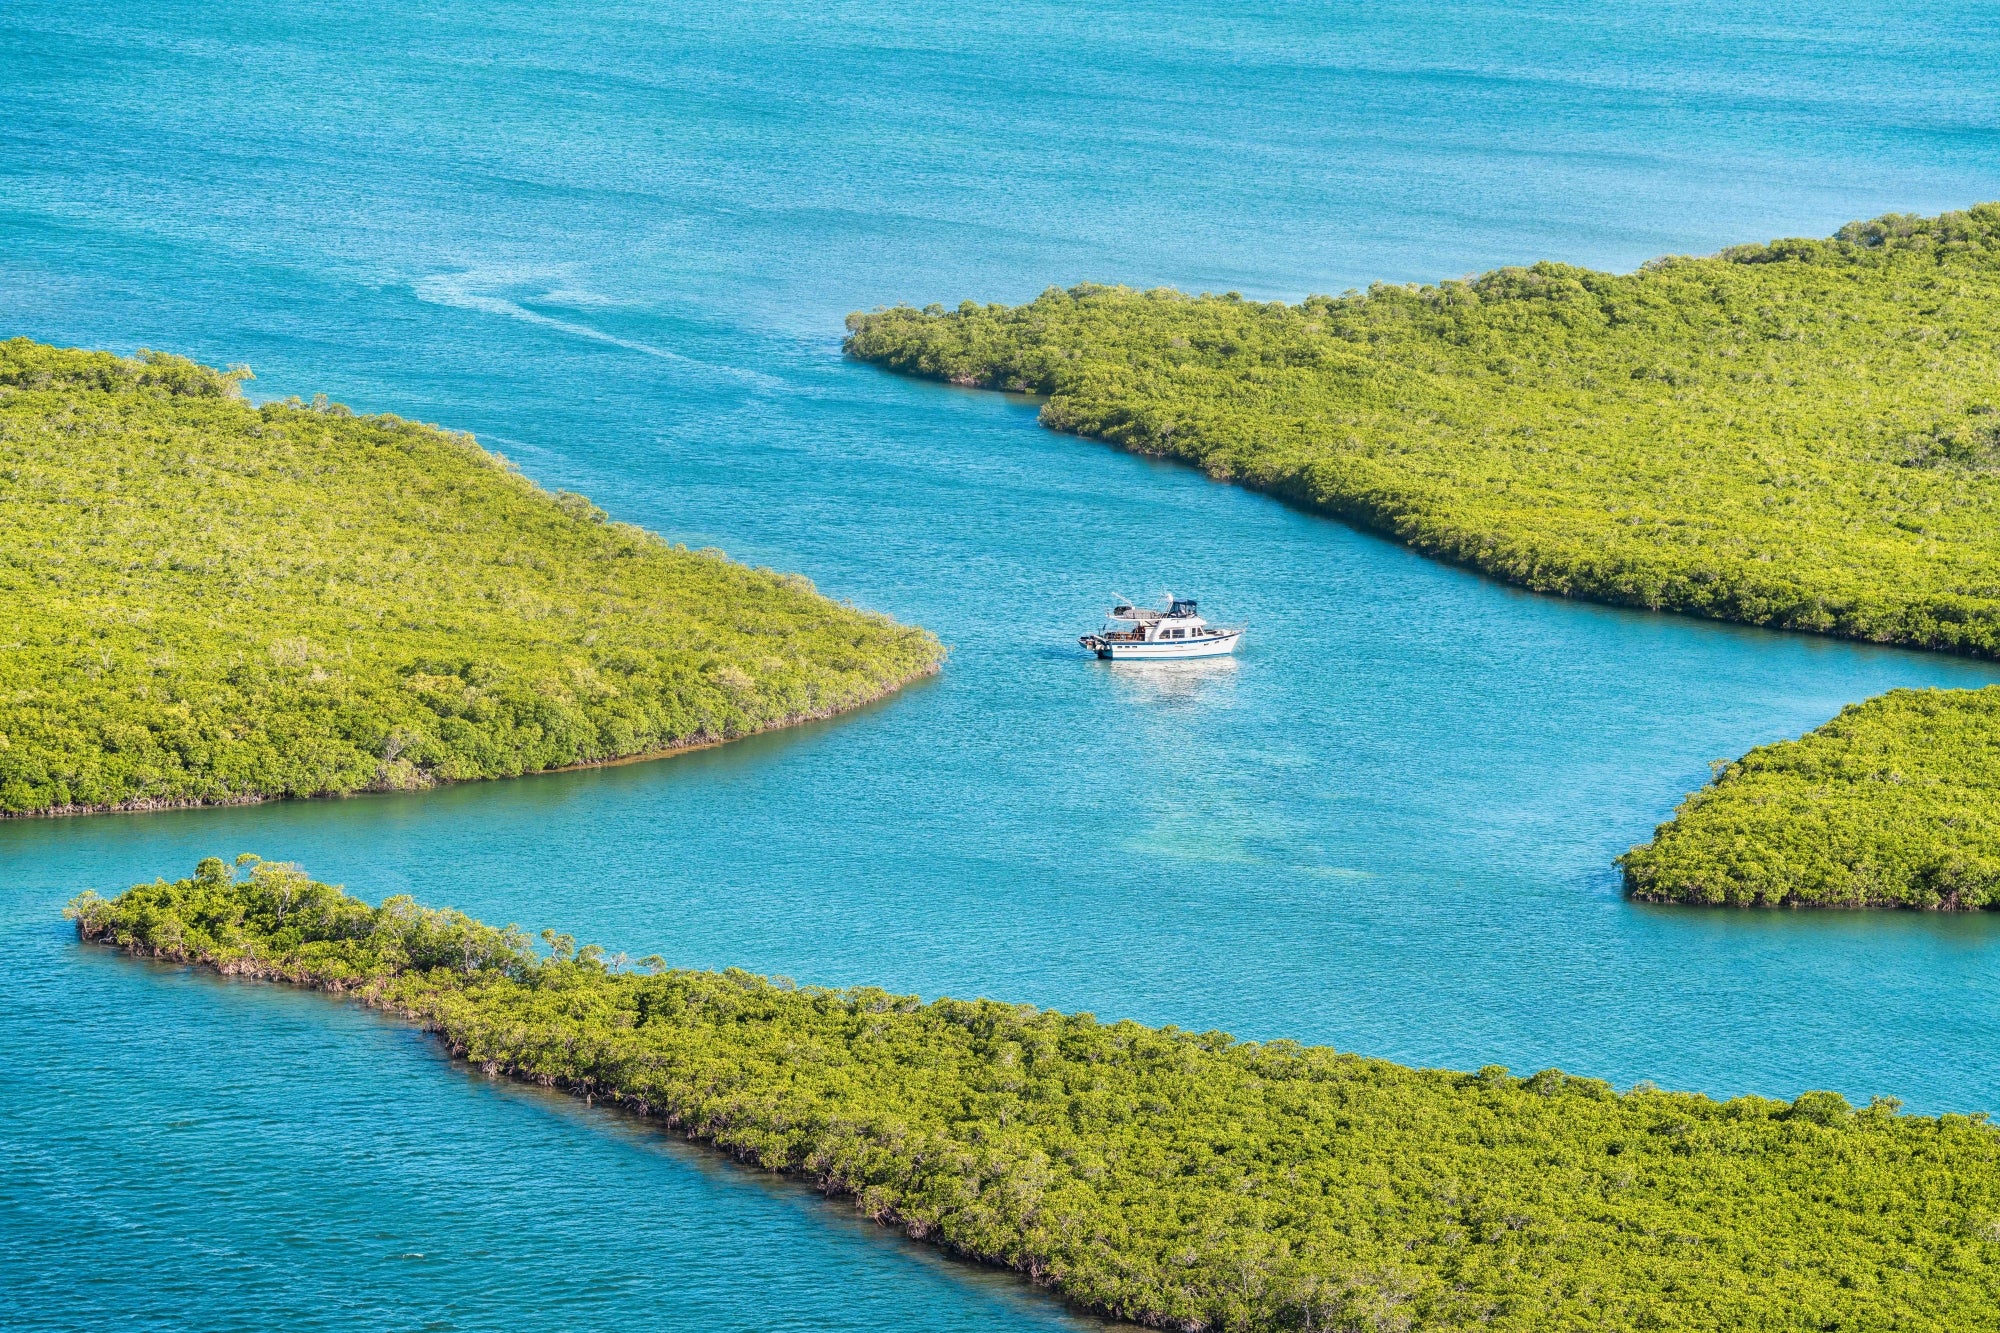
1189, 1181
1803, 434
1895, 803
201, 600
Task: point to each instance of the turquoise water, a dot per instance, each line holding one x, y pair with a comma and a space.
618, 244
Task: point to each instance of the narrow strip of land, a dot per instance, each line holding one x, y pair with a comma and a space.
1182, 1180
206, 602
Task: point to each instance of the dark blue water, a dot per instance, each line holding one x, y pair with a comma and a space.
617, 242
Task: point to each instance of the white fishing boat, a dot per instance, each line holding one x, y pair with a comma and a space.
1141, 634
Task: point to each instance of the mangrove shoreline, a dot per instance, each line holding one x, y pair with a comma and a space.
1169, 1178
217, 601
1895, 803
150, 805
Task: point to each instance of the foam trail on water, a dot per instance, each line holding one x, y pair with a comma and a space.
460, 290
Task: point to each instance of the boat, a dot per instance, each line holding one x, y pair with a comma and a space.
1141, 634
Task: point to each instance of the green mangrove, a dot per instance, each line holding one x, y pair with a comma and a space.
209, 601
1804, 434
1895, 803
1183, 1180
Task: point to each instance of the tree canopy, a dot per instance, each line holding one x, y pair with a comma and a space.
205, 600
1804, 434
1184, 1180
1895, 803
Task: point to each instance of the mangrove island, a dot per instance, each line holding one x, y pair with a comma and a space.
214, 602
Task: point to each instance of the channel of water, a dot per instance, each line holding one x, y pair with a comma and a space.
618, 246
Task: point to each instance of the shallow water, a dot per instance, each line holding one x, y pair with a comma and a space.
618, 246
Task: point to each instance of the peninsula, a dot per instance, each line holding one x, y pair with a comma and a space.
206, 601
1895, 803
1182, 1180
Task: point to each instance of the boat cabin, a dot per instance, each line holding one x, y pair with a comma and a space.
1178, 622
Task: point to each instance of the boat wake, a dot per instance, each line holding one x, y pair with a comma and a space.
474, 289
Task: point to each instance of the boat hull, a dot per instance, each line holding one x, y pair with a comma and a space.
1113, 650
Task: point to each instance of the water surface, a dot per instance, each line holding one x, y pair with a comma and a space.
617, 243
